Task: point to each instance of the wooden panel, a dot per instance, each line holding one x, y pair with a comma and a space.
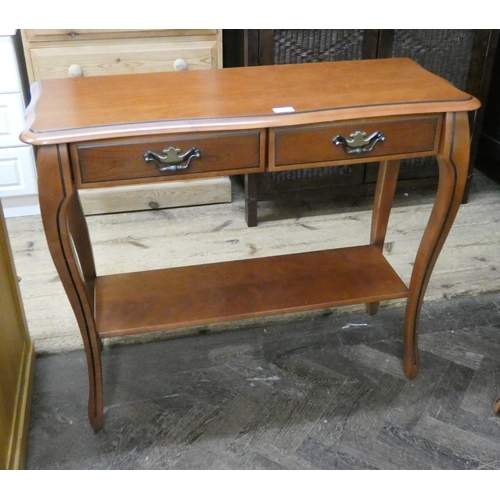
212, 293
313, 145
124, 160
153, 196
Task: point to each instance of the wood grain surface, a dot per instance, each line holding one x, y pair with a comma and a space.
235, 98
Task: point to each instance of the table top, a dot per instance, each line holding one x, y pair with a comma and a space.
90, 108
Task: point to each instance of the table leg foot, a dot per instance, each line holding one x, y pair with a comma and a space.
251, 200
96, 421
96, 397
411, 362
411, 356
496, 408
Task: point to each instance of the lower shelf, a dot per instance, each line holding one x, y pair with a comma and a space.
214, 293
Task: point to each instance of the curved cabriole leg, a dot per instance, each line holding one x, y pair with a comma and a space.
453, 159
384, 197
70, 248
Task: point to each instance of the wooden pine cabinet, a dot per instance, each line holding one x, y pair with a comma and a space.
16, 362
65, 53
463, 57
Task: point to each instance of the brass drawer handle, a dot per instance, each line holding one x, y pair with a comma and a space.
359, 142
172, 159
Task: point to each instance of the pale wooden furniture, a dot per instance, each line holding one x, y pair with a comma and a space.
18, 183
64, 53
17, 359
115, 130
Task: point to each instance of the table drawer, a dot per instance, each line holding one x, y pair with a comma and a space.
122, 161
321, 145
120, 58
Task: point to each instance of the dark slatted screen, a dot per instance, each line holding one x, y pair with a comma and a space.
297, 46
444, 52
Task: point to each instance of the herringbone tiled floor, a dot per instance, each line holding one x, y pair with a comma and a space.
321, 393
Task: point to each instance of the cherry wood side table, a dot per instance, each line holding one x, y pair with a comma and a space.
115, 130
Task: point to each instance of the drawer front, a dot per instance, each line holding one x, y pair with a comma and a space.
63, 35
313, 146
110, 59
122, 161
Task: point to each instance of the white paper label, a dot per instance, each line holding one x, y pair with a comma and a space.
284, 109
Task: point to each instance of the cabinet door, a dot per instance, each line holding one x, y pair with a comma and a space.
17, 172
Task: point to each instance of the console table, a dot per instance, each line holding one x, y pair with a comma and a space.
115, 130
